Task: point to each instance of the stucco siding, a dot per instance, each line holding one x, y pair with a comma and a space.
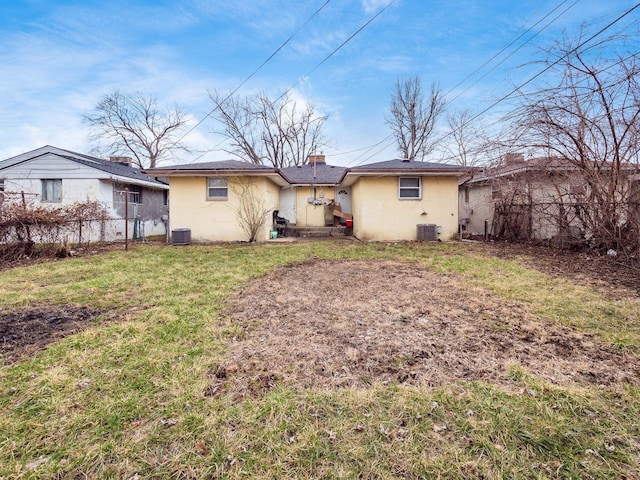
379, 215
311, 215
478, 209
217, 220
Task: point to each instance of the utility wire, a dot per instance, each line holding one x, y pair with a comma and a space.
358, 149
351, 37
510, 44
254, 72
365, 159
510, 54
490, 60
371, 147
544, 70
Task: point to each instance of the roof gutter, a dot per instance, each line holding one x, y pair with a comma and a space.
143, 183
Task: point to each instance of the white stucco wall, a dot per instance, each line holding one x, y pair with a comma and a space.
478, 209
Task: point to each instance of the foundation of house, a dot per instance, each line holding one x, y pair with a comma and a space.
294, 231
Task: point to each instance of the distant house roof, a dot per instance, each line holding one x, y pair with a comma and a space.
481, 175
320, 174
122, 171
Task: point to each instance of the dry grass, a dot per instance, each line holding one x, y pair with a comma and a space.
331, 324
177, 379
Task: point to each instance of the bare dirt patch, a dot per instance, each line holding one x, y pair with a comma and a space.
330, 324
27, 330
587, 267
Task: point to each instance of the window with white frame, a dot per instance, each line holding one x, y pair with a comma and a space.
135, 193
410, 188
217, 188
51, 190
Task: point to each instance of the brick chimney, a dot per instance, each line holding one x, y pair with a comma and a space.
513, 159
122, 160
316, 159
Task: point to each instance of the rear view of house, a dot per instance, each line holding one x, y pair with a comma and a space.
51, 177
386, 201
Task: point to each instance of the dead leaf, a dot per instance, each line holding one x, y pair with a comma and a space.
201, 448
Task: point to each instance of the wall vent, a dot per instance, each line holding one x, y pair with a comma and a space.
181, 236
427, 232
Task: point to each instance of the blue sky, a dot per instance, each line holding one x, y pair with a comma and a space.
58, 58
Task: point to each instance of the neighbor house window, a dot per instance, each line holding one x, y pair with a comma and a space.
1, 189
496, 192
51, 190
410, 187
135, 193
217, 188
466, 194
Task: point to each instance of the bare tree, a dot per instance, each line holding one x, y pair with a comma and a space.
467, 146
133, 125
413, 117
589, 117
252, 210
269, 132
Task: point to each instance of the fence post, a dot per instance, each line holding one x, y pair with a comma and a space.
126, 218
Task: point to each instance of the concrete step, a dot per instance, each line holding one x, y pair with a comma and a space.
316, 231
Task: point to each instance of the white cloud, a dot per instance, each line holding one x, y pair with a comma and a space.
371, 6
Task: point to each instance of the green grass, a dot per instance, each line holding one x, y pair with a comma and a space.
124, 399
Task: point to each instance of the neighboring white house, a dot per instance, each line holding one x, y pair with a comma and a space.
55, 177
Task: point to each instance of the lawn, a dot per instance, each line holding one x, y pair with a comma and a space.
316, 360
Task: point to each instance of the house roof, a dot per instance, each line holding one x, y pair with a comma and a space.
320, 174
513, 168
122, 172
398, 165
224, 165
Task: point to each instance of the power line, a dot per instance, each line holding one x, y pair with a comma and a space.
255, 71
544, 70
351, 37
357, 149
369, 148
547, 68
491, 59
512, 52
388, 144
